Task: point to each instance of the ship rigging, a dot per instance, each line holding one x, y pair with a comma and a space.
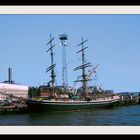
84, 101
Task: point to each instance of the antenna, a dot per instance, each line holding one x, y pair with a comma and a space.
52, 81
64, 41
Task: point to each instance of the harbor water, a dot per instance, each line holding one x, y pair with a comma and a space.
117, 116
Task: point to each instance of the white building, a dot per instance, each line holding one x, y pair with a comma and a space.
14, 89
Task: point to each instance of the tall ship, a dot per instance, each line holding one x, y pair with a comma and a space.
60, 98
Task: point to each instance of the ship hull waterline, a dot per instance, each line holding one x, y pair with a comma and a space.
68, 106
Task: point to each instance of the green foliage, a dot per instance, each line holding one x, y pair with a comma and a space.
34, 91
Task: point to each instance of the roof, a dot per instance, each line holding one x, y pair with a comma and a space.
13, 86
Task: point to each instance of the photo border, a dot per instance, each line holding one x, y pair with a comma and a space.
69, 10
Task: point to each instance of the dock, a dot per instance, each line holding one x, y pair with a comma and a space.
14, 109
128, 99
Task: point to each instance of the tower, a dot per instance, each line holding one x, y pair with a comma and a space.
64, 41
10, 75
9, 81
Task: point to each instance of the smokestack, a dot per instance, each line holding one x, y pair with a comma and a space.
10, 75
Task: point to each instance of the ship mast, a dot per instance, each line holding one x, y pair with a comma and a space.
83, 67
52, 81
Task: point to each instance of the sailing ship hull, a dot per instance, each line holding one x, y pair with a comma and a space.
67, 106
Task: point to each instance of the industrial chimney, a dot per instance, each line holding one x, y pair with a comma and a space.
10, 75
9, 81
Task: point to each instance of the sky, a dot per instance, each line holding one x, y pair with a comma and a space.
113, 43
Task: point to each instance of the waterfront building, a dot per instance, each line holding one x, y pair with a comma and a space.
13, 89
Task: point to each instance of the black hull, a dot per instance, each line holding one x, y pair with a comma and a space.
67, 106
